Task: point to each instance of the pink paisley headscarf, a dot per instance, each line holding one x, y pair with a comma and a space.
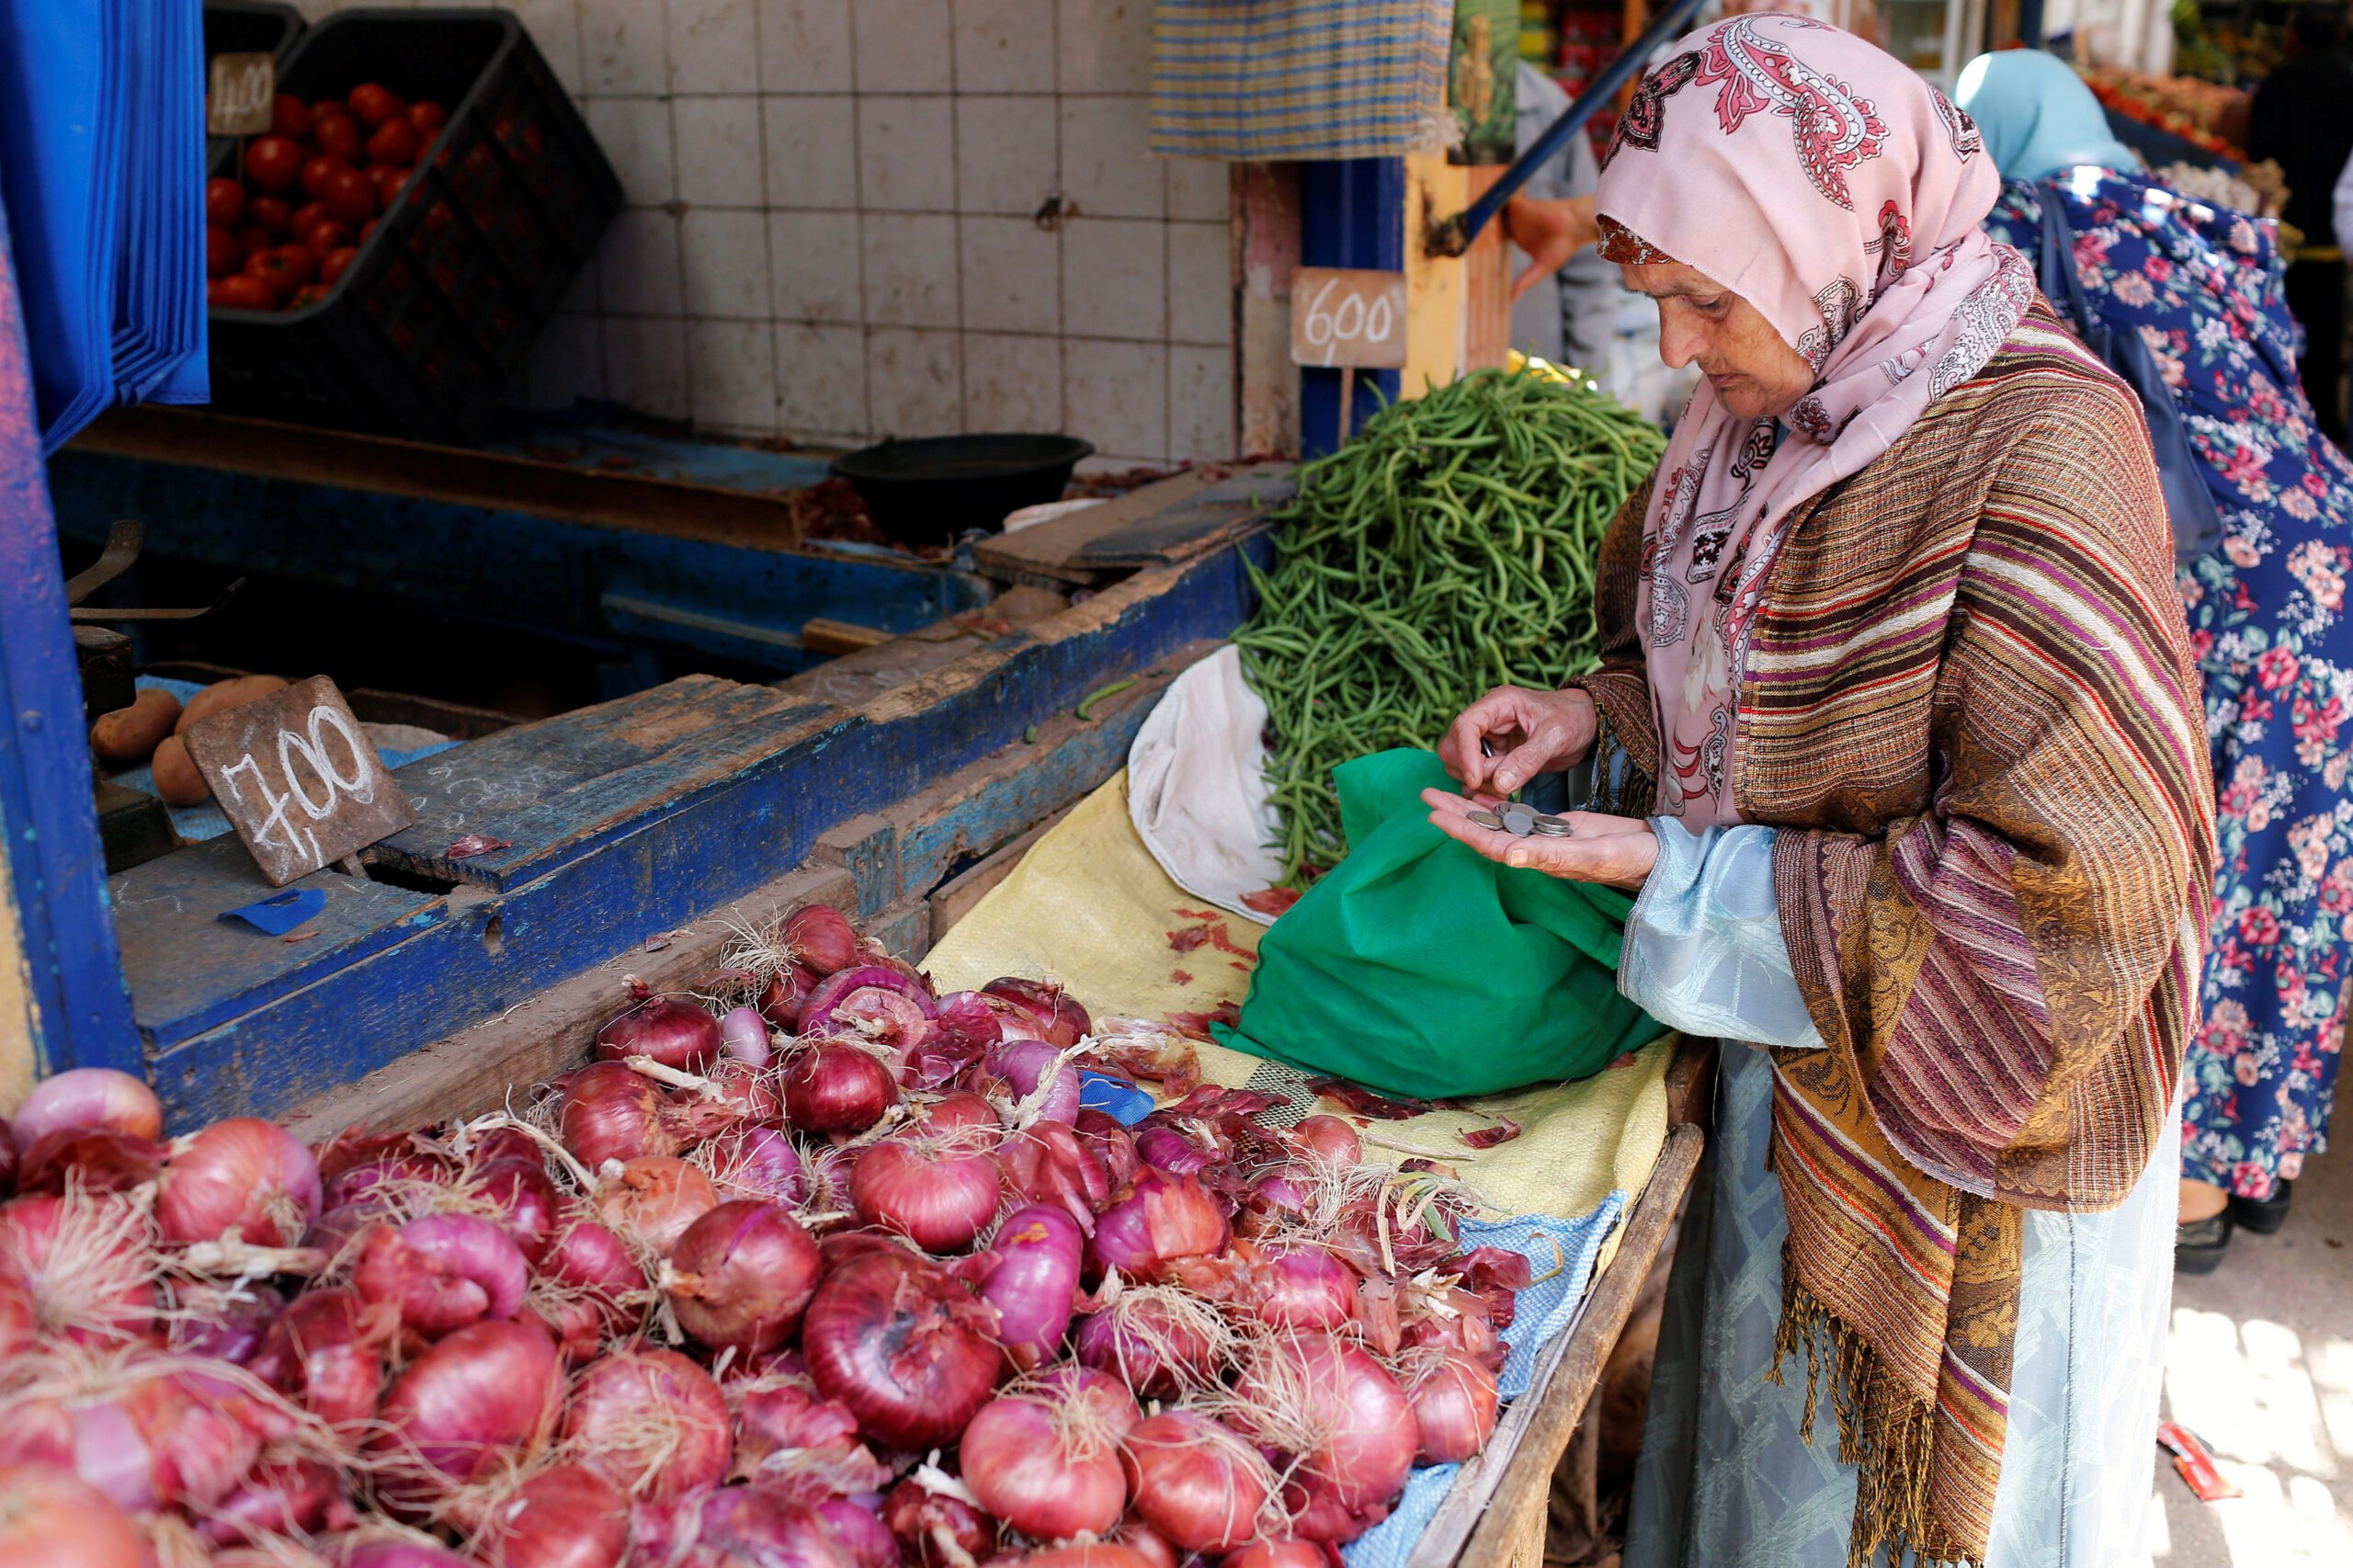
1829, 186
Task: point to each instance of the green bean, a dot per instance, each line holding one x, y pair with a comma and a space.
1450, 545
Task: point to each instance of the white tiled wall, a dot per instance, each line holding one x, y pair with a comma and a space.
832, 228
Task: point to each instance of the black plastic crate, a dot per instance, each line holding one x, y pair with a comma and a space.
244, 26
434, 318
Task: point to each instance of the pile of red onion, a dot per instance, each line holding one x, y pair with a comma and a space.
829, 1270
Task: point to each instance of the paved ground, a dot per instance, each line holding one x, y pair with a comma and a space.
2261, 1366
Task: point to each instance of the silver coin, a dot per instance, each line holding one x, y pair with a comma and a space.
1553, 827
1518, 821
1484, 819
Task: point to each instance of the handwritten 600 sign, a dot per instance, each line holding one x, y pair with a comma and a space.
299, 782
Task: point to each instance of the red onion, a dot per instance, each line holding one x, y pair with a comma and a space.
243, 1178
471, 1403
1329, 1402
441, 1272
786, 995
85, 1261
326, 1352
744, 1036
739, 1277
650, 1202
871, 1003
1318, 1514
1196, 1482
939, 1190
1094, 1554
1114, 1407
1159, 1217
651, 1423
1165, 1149
1157, 1341
1303, 1287
751, 1525
757, 1161
1048, 1471
279, 1497
1148, 1543
935, 1530
151, 1438
1032, 1280
1101, 1135
859, 1531
566, 1516
1328, 1138
1464, 1326
51, 1518
353, 1168
528, 1202
835, 1086
91, 1157
20, 1323
1277, 1554
959, 1109
820, 939
1024, 1065
611, 1113
968, 1019
906, 1347
586, 1257
673, 1033
220, 1321
1051, 1014
778, 1415
400, 1553
91, 1097
1453, 1396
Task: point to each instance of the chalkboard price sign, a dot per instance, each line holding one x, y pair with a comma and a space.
297, 778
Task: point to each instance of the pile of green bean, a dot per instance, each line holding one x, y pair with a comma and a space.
1447, 548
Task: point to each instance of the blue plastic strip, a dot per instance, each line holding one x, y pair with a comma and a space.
1352, 214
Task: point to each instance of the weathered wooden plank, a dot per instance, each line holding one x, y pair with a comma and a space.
300, 454
1052, 549
471, 1070
1211, 518
665, 865
955, 898
1493, 1499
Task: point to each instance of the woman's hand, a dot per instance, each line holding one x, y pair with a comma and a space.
1534, 731
1550, 230
1616, 852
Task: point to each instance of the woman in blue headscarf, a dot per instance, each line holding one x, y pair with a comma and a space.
2268, 619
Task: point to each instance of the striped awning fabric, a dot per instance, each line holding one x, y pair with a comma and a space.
1283, 79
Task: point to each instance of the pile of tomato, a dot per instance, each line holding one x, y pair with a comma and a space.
315, 186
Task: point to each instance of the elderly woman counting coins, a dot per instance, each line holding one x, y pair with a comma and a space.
1912, 784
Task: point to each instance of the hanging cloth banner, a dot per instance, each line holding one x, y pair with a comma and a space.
1300, 79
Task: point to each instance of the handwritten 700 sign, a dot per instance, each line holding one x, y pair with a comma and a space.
299, 782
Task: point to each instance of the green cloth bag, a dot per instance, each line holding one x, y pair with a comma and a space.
1419, 966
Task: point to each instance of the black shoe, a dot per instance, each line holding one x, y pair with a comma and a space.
2264, 1216
2198, 1246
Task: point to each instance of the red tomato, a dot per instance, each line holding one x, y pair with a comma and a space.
350, 196
290, 115
244, 292
222, 254
427, 117
325, 108
213, 292
254, 237
272, 163
307, 294
283, 267
368, 229
395, 142
389, 181
306, 218
338, 263
320, 238
224, 203
338, 135
374, 104
269, 211
318, 171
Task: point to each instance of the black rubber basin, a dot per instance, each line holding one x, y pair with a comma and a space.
926, 492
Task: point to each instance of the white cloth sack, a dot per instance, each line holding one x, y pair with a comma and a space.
1197, 785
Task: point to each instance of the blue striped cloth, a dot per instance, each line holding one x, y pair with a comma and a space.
1283, 79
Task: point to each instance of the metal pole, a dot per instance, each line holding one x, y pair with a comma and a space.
1453, 236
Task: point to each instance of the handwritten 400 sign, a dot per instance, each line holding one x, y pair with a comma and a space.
299, 782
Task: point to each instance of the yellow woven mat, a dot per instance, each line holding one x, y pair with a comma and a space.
1088, 906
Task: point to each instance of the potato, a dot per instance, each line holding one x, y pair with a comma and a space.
129, 734
177, 779
226, 694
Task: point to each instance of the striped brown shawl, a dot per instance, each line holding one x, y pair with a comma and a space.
1971, 710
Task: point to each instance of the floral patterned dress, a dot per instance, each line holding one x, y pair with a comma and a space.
2267, 620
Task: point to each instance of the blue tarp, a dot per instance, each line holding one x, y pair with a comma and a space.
102, 168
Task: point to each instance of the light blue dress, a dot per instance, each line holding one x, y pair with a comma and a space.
1725, 1480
